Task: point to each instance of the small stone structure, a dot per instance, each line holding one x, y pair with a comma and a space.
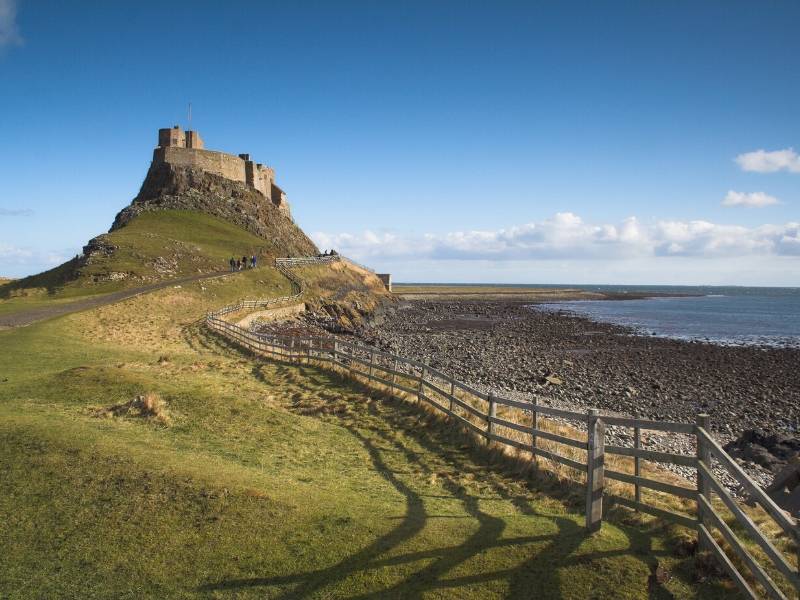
386, 278
186, 149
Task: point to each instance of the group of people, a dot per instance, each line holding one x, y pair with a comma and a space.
243, 263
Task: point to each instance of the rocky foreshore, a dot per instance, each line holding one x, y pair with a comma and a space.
567, 361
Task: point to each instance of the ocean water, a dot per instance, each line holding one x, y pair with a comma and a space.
724, 315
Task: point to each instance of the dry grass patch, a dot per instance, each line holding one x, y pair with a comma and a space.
148, 406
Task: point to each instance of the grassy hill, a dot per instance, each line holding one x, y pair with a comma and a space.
151, 247
257, 479
143, 457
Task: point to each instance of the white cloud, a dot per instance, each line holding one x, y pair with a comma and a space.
762, 161
16, 212
13, 254
9, 33
565, 236
751, 200
17, 261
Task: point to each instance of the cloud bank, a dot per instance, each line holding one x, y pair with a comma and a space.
17, 261
9, 32
565, 236
16, 212
762, 161
751, 200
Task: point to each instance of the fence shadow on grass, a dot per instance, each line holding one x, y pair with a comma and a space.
540, 559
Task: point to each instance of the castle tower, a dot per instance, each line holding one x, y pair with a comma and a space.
173, 138
193, 140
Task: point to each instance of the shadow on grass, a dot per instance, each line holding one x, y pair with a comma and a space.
540, 561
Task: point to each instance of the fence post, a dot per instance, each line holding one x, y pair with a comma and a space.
371, 364
452, 393
421, 388
352, 362
335, 351
394, 375
534, 427
637, 464
492, 414
595, 471
310, 343
703, 486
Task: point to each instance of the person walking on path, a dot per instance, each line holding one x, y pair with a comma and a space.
238, 265
253, 261
244, 262
232, 262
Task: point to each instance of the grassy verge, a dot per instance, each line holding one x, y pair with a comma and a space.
270, 480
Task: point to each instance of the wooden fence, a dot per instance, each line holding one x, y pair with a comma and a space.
744, 549
303, 261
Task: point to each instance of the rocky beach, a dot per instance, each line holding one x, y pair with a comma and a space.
516, 350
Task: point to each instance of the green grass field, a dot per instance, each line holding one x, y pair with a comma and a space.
265, 480
153, 246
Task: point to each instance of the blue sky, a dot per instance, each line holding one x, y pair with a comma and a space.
553, 142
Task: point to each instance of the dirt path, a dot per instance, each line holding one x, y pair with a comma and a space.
41, 313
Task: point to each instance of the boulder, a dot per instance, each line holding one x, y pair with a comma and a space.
785, 488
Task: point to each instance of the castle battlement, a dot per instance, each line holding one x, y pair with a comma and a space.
186, 149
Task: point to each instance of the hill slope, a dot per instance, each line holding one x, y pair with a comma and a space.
182, 222
171, 187
151, 247
264, 479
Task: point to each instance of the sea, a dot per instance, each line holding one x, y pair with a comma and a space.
741, 316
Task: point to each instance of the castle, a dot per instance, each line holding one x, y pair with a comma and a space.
185, 149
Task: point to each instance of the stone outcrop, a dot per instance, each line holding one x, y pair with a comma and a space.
773, 451
169, 186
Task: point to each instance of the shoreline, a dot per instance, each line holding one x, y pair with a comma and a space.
530, 294
572, 362
558, 342
557, 307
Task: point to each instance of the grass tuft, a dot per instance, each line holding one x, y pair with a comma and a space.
147, 406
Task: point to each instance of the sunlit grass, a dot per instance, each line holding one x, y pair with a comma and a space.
269, 480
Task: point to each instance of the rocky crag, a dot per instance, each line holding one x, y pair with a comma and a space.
169, 186
145, 258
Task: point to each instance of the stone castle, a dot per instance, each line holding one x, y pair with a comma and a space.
185, 149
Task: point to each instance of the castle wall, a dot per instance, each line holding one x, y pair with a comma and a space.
258, 177
217, 163
185, 149
278, 198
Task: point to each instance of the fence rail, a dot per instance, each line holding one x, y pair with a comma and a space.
477, 412
303, 261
